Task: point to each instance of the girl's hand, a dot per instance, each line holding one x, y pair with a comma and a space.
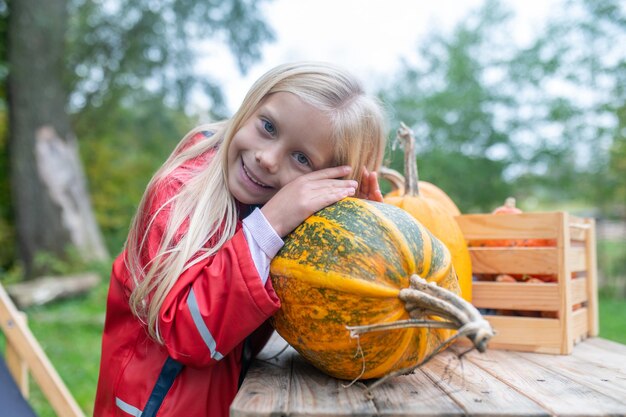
369, 188
305, 195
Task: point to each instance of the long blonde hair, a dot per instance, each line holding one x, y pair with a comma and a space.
204, 204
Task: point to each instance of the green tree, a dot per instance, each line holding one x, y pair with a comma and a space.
573, 78
124, 51
450, 97
535, 121
77, 65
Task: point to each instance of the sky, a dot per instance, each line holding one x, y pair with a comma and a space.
367, 37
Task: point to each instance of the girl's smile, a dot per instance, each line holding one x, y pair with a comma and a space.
251, 177
282, 140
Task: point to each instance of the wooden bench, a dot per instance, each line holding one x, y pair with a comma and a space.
589, 382
24, 356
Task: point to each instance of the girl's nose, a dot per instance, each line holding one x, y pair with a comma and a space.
268, 160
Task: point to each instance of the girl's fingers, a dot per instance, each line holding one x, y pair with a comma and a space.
328, 173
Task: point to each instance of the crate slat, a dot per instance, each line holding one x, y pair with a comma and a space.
510, 226
514, 260
516, 296
577, 259
526, 334
579, 290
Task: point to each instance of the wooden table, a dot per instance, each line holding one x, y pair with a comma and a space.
589, 382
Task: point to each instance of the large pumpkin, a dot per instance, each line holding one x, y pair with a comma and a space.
345, 266
434, 215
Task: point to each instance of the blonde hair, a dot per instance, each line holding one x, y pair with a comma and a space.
204, 203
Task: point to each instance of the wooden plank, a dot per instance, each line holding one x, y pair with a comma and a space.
510, 226
550, 389
314, 394
602, 355
16, 365
607, 380
589, 382
565, 287
515, 296
476, 391
579, 228
20, 336
580, 330
413, 395
525, 334
262, 393
592, 278
579, 290
577, 259
609, 345
515, 260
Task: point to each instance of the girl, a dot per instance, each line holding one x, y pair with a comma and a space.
189, 296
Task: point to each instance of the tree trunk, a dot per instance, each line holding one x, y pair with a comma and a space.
49, 191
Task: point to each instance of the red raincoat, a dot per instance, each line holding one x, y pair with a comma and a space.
204, 321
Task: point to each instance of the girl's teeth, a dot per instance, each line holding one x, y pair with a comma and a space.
252, 179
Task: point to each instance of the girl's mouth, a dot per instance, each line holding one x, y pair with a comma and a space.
252, 178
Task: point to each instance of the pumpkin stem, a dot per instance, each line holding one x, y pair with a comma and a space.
411, 185
394, 177
470, 314
423, 299
463, 331
400, 324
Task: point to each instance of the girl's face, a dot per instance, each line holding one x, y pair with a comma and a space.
284, 139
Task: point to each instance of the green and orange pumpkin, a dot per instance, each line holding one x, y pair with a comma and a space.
346, 266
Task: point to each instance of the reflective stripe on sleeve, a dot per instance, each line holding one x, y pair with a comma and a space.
201, 326
127, 408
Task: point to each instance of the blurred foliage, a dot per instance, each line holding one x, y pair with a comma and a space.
7, 248
535, 121
119, 163
616, 175
575, 77
132, 66
443, 95
123, 51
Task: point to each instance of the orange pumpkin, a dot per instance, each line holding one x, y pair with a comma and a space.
426, 189
434, 215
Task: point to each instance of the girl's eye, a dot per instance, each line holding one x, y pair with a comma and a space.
269, 127
302, 159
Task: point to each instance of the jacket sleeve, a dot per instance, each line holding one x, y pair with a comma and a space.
215, 304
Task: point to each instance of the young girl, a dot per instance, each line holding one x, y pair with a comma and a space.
189, 296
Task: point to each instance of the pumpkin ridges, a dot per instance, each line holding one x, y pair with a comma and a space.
399, 356
316, 307
402, 243
340, 282
433, 215
425, 210
289, 267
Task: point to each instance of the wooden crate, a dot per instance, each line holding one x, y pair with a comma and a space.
572, 259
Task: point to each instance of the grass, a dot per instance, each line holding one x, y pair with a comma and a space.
70, 333
612, 312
